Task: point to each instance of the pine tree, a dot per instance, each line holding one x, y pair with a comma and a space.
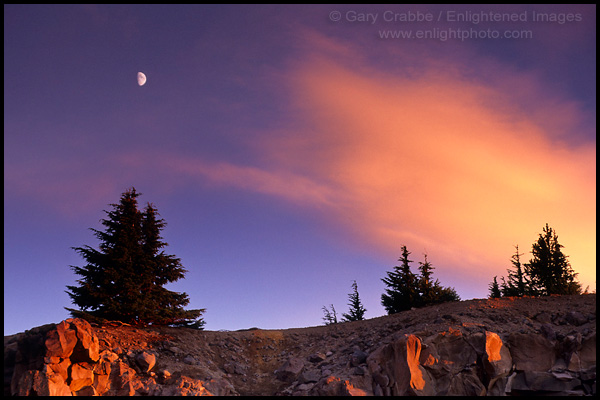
549, 270
402, 292
330, 317
124, 279
407, 290
357, 311
426, 285
443, 294
494, 289
517, 280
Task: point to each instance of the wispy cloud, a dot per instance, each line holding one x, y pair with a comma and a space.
436, 161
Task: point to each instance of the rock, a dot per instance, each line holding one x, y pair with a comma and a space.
59, 367
358, 371
61, 341
526, 356
220, 387
543, 317
453, 350
531, 352
548, 331
466, 384
121, 380
316, 357
87, 348
587, 352
399, 362
145, 361
108, 356
334, 386
189, 360
148, 387
497, 360
584, 357
304, 387
32, 383
187, 387
309, 376
82, 375
290, 370
357, 358
576, 318
234, 368
534, 381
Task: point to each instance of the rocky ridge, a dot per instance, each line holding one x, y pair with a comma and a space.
503, 346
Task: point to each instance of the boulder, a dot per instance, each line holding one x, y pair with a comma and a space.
59, 367
587, 352
497, 360
576, 318
190, 360
290, 370
87, 347
32, 383
357, 358
531, 352
453, 350
466, 383
220, 387
527, 382
334, 386
121, 380
145, 361
397, 364
309, 376
61, 341
82, 375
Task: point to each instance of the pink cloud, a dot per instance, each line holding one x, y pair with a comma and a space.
441, 163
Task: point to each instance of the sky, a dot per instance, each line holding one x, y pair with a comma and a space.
294, 149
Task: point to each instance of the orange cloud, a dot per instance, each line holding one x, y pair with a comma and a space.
433, 160
441, 163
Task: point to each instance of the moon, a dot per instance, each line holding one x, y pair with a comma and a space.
141, 78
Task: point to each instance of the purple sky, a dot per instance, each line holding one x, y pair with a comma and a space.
292, 149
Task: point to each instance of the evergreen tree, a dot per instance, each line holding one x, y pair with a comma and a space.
494, 290
330, 317
443, 294
517, 280
407, 290
402, 292
549, 270
426, 284
357, 311
124, 279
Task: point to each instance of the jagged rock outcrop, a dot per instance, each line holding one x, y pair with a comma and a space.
65, 360
483, 347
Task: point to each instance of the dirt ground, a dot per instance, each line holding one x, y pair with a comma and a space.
249, 358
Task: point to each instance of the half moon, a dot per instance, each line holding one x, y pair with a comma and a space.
141, 78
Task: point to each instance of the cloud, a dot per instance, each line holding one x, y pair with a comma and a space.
292, 187
441, 163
